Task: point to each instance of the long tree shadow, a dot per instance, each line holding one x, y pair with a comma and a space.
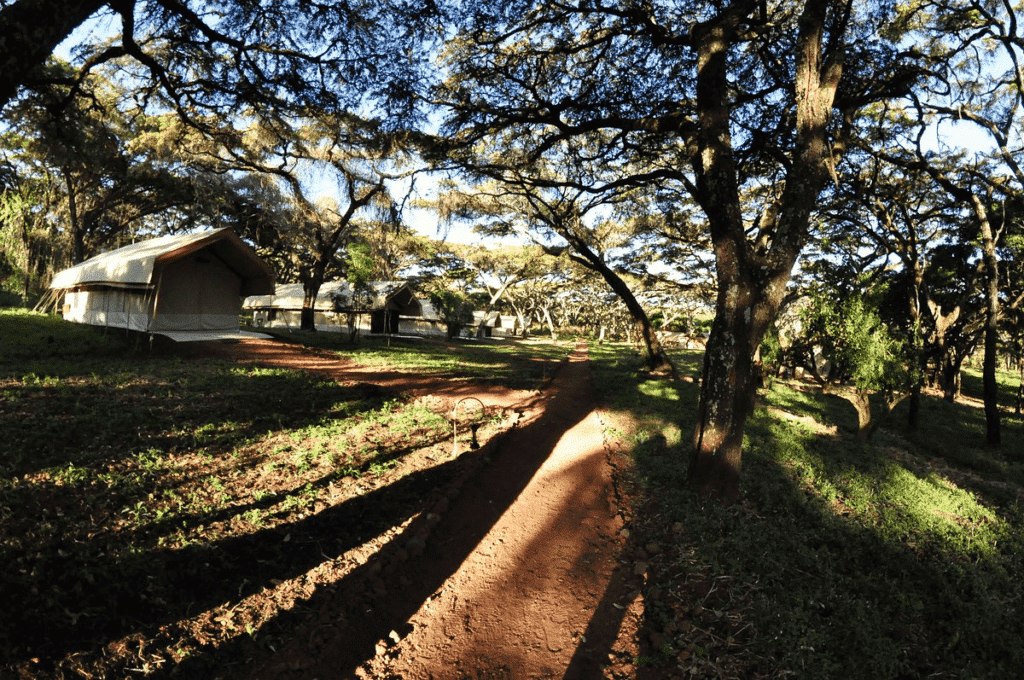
101, 599
342, 624
100, 595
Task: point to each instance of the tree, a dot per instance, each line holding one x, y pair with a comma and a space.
448, 282
862, 351
973, 50
92, 174
889, 224
333, 174
212, 58
724, 100
359, 270
26, 42
501, 268
533, 206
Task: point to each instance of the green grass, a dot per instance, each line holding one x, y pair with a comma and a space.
499, 362
124, 466
28, 340
900, 558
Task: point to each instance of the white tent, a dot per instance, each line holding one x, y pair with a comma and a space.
187, 286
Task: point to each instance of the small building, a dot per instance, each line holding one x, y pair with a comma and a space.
379, 307
184, 286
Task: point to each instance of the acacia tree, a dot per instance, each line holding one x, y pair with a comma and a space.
889, 224
974, 53
447, 280
212, 57
537, 207
714, 97
333, 175
93, 174
500, 268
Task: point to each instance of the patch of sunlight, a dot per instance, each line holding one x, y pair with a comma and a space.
934, 507
659, 389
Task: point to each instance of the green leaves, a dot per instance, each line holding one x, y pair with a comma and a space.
853, 336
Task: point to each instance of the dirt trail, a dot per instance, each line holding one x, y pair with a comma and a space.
515, 575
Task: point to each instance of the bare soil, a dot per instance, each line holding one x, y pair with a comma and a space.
515, 570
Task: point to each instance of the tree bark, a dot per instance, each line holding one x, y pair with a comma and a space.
551, 324
751, 284
77, 235
861, 401
990, 386
312, 279
307, 318
950, 378
1020, 385
914, 408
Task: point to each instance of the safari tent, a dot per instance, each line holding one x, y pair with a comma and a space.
186, 286
378, 307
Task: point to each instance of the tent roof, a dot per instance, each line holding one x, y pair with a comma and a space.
488, 318
134, 264
290, 296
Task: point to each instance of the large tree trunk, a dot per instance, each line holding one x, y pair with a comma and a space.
551, 324
917, 358
949, 358
751, 281
77, 233
949, 378
989, 385
726, 398
310, 291
1020, 386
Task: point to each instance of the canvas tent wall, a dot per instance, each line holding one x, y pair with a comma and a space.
429, 323
171, 285
380, 307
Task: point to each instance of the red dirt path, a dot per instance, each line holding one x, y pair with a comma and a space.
515, 574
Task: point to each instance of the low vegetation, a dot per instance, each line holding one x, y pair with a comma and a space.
155, 505
157, 508
898, 558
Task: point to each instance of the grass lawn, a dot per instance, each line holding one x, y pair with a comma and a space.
900, 558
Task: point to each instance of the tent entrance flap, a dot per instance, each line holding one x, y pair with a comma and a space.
197, 292
384, 321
